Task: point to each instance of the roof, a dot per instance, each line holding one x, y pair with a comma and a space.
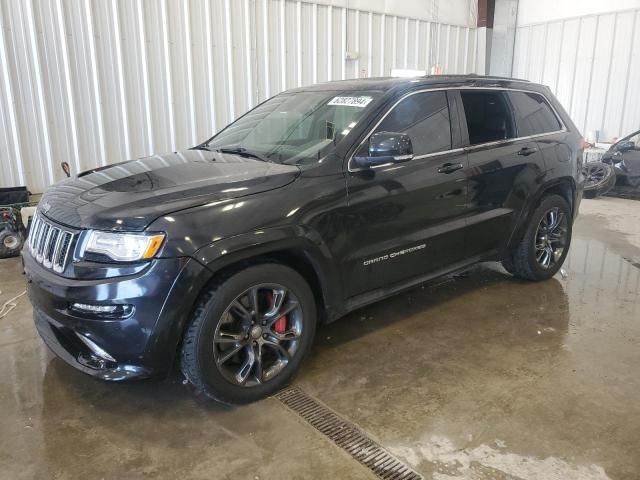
387, 83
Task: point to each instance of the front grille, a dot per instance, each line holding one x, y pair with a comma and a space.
49, 244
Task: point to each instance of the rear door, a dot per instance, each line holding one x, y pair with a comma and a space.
505, 167
407, 219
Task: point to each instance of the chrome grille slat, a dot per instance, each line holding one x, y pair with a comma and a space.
64, 253
35, 241
35, 223
50, 244
54, 233
34, 228
37, 235
58, 246
42, 241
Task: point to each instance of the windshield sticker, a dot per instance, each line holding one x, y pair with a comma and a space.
359, 102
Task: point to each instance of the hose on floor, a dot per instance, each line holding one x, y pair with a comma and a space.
9, 304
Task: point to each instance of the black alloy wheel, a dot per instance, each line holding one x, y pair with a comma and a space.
545, 243
249, 333
258, 334
551, 237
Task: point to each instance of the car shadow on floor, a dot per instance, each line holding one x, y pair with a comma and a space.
172, 394
501, 288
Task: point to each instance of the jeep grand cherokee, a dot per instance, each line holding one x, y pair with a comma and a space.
322, 199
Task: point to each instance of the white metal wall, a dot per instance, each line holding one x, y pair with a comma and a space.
592, 64
95, 82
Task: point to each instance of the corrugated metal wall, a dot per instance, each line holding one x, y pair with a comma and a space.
94, 82
592, 64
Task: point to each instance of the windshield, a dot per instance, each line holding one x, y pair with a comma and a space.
295, 128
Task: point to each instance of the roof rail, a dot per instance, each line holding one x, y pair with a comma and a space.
475, 75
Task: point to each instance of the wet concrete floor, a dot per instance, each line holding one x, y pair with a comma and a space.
477, 376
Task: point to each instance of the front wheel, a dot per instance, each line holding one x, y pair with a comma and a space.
249, 334
545, 244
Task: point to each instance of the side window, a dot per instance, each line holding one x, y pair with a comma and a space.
425, 118
488, 116
533, 114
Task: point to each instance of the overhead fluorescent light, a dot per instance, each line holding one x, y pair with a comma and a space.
407, 72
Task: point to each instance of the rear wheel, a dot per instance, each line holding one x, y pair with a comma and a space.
545, 244
249, 334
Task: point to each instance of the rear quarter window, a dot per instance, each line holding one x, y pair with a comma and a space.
534, 115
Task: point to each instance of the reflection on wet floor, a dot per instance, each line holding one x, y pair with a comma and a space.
476, 376
483, 371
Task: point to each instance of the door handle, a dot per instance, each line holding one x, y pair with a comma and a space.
524, 151
449, 167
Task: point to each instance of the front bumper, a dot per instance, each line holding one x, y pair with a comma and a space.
138, 346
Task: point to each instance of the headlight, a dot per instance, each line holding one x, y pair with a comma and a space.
124, 247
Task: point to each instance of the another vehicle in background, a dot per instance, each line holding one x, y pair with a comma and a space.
600, 178
12, 228
624, 157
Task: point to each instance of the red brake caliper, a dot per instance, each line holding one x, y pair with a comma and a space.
280, 325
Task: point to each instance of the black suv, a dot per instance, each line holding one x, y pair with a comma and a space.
320, 200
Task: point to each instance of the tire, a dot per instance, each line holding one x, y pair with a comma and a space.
600, 178
508, 265
223, 316
11, 242
526, 260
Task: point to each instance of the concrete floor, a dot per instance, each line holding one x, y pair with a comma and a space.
477, 377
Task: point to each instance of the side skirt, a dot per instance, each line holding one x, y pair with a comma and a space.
359, 301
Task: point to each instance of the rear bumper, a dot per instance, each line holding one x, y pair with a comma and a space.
140, 345
577, 201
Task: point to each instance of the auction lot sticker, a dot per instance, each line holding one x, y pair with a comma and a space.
360, 102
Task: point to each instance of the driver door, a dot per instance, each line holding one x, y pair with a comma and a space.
407, 219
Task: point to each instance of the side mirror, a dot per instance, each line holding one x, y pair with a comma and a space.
386, 147
625, 146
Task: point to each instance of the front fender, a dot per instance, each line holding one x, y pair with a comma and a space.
290, 241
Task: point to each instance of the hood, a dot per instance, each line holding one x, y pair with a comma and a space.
131, 195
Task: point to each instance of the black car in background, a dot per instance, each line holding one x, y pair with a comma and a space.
624, 156
318, 201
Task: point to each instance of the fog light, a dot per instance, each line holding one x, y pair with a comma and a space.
102, 311
97, 351
95, 308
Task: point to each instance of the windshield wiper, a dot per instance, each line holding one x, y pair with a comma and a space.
200, 147
242, 152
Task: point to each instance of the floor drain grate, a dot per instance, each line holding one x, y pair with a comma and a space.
347, 436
